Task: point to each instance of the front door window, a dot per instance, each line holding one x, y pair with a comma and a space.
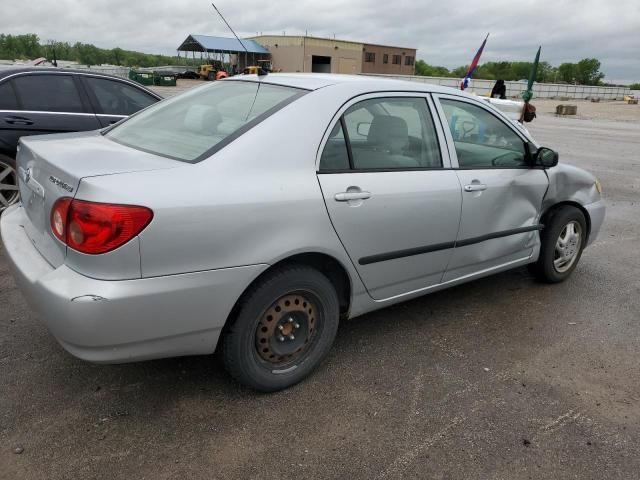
481, 139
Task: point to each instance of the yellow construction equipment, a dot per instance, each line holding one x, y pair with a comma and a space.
263, 66
210, 71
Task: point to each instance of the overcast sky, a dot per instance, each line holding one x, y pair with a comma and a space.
445, 33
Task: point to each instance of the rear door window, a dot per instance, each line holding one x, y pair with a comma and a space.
194, 124
335, 155
117, 98
48, 93
392, 133
8, 99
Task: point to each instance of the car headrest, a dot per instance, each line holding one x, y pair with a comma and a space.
202, 119
389, 132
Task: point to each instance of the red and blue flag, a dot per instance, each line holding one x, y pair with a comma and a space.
474, 66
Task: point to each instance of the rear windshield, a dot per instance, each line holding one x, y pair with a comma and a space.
193, 125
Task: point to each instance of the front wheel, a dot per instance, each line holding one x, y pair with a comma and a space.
8, 183
284, 328
562, 242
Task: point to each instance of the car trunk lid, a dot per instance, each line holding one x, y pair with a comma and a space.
52, 167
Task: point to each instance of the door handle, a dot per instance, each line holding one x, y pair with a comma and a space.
18, 120
475, 187
346, 196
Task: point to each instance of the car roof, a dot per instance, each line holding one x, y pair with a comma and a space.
363, 84
314, 81
15, 69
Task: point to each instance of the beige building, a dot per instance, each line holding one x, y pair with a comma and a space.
291, 53
385, 59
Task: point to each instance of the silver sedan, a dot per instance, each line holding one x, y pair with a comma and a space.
254, 213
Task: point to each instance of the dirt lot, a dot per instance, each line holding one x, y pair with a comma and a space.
587, 110
501, 378
182, 86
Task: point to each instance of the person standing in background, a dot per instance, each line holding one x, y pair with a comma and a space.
499, 90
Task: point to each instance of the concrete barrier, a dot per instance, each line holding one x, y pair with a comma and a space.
108, 70
567, 110
514, 89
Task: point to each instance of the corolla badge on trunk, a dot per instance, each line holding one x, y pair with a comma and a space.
60, 183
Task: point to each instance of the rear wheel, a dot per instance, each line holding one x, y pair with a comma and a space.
563, 240
211, 76
283, 330
8, 182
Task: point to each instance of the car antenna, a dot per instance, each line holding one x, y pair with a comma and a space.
261, 72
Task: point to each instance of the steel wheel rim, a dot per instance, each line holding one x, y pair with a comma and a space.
294, 315
567, 246
9, 193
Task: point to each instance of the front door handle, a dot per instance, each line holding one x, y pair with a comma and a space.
13, 120
475, 187
347, 196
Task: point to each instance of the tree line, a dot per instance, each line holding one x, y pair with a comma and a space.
28, 47
585, 72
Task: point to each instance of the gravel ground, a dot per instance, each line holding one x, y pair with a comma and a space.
587, 110
182, 86
502, 378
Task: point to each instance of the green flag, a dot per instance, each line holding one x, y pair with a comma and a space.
527, 95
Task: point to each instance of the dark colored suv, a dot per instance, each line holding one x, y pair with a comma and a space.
36, 101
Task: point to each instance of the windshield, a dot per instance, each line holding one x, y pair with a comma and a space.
190, 126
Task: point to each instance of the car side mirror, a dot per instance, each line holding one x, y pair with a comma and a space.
545, 158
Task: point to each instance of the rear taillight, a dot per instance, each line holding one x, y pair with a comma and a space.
94, 228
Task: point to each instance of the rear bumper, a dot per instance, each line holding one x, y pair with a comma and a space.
127, 320
596, 211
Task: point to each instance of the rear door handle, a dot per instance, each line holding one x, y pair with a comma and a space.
475, 187
346, 196
12, 120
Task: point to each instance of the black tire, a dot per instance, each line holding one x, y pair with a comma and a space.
544, 268
211, 76
243, 354
9, 178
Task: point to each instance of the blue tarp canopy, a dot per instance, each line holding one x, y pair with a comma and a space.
206, 43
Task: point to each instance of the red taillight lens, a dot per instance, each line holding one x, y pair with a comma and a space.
94, 228
59, 217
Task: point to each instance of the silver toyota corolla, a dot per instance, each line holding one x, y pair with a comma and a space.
256, 212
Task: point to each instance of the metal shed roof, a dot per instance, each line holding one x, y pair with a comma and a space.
206, 43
